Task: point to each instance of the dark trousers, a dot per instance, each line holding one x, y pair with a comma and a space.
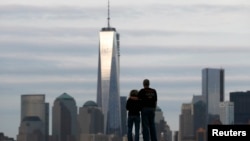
133, 120
148, 124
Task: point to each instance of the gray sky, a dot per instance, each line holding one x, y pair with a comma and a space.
51, 47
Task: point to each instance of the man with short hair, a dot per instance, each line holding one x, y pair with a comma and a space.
148, 97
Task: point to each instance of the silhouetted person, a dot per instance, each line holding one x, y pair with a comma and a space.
133, 107
148, 97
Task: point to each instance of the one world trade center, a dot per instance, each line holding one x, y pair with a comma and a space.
108, 85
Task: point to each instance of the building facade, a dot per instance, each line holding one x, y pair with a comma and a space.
163, 130
227, 112
64, 118
124, 115
108, 85
241, 102
31, 129
213, 91
90, 120
34, 105
199, 109
186, 126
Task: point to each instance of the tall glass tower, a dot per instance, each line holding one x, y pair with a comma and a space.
213, 90
108, 85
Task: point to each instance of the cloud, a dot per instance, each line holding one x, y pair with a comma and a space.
53, 49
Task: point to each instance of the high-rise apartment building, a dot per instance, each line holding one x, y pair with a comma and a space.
108, 85
34, 105
64, 118
213, 91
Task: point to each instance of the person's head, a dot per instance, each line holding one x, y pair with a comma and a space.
134, 92
146, 83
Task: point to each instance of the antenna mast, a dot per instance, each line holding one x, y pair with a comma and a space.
108, 15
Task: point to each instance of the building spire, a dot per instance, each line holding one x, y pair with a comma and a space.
108, 15
108, 28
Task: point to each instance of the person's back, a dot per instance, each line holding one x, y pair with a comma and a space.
133, 107
148, 97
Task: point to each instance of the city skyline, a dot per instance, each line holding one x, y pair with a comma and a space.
52, 47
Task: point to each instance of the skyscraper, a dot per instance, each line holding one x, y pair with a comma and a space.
199, 110
34, 105
123, 115
213, 90
31, 129
108, 85
64, 118
186, 125
90, 119
241, 102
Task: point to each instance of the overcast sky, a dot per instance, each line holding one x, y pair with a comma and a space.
51, 47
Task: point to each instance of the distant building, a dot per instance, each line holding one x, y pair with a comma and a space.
199, 109
241, 102
31, 129
213, 91
5, 138
108, 79
34, 105
176, 136
227, 112
90, 120
163, 130
201, 135
64, 118
186, 125
123, 100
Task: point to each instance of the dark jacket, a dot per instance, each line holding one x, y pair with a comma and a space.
133, 107
148, 97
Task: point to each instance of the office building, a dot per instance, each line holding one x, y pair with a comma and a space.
108, 85
34, 105
241, 102
201, 135
123, 100
64, 118
162, 128
226, 112
31, 129
5, 138
186, 125
213, 91
199, 109
90, 119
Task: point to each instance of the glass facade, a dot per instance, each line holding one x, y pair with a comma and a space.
108, 88
64, 118
213, 89
241, 102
